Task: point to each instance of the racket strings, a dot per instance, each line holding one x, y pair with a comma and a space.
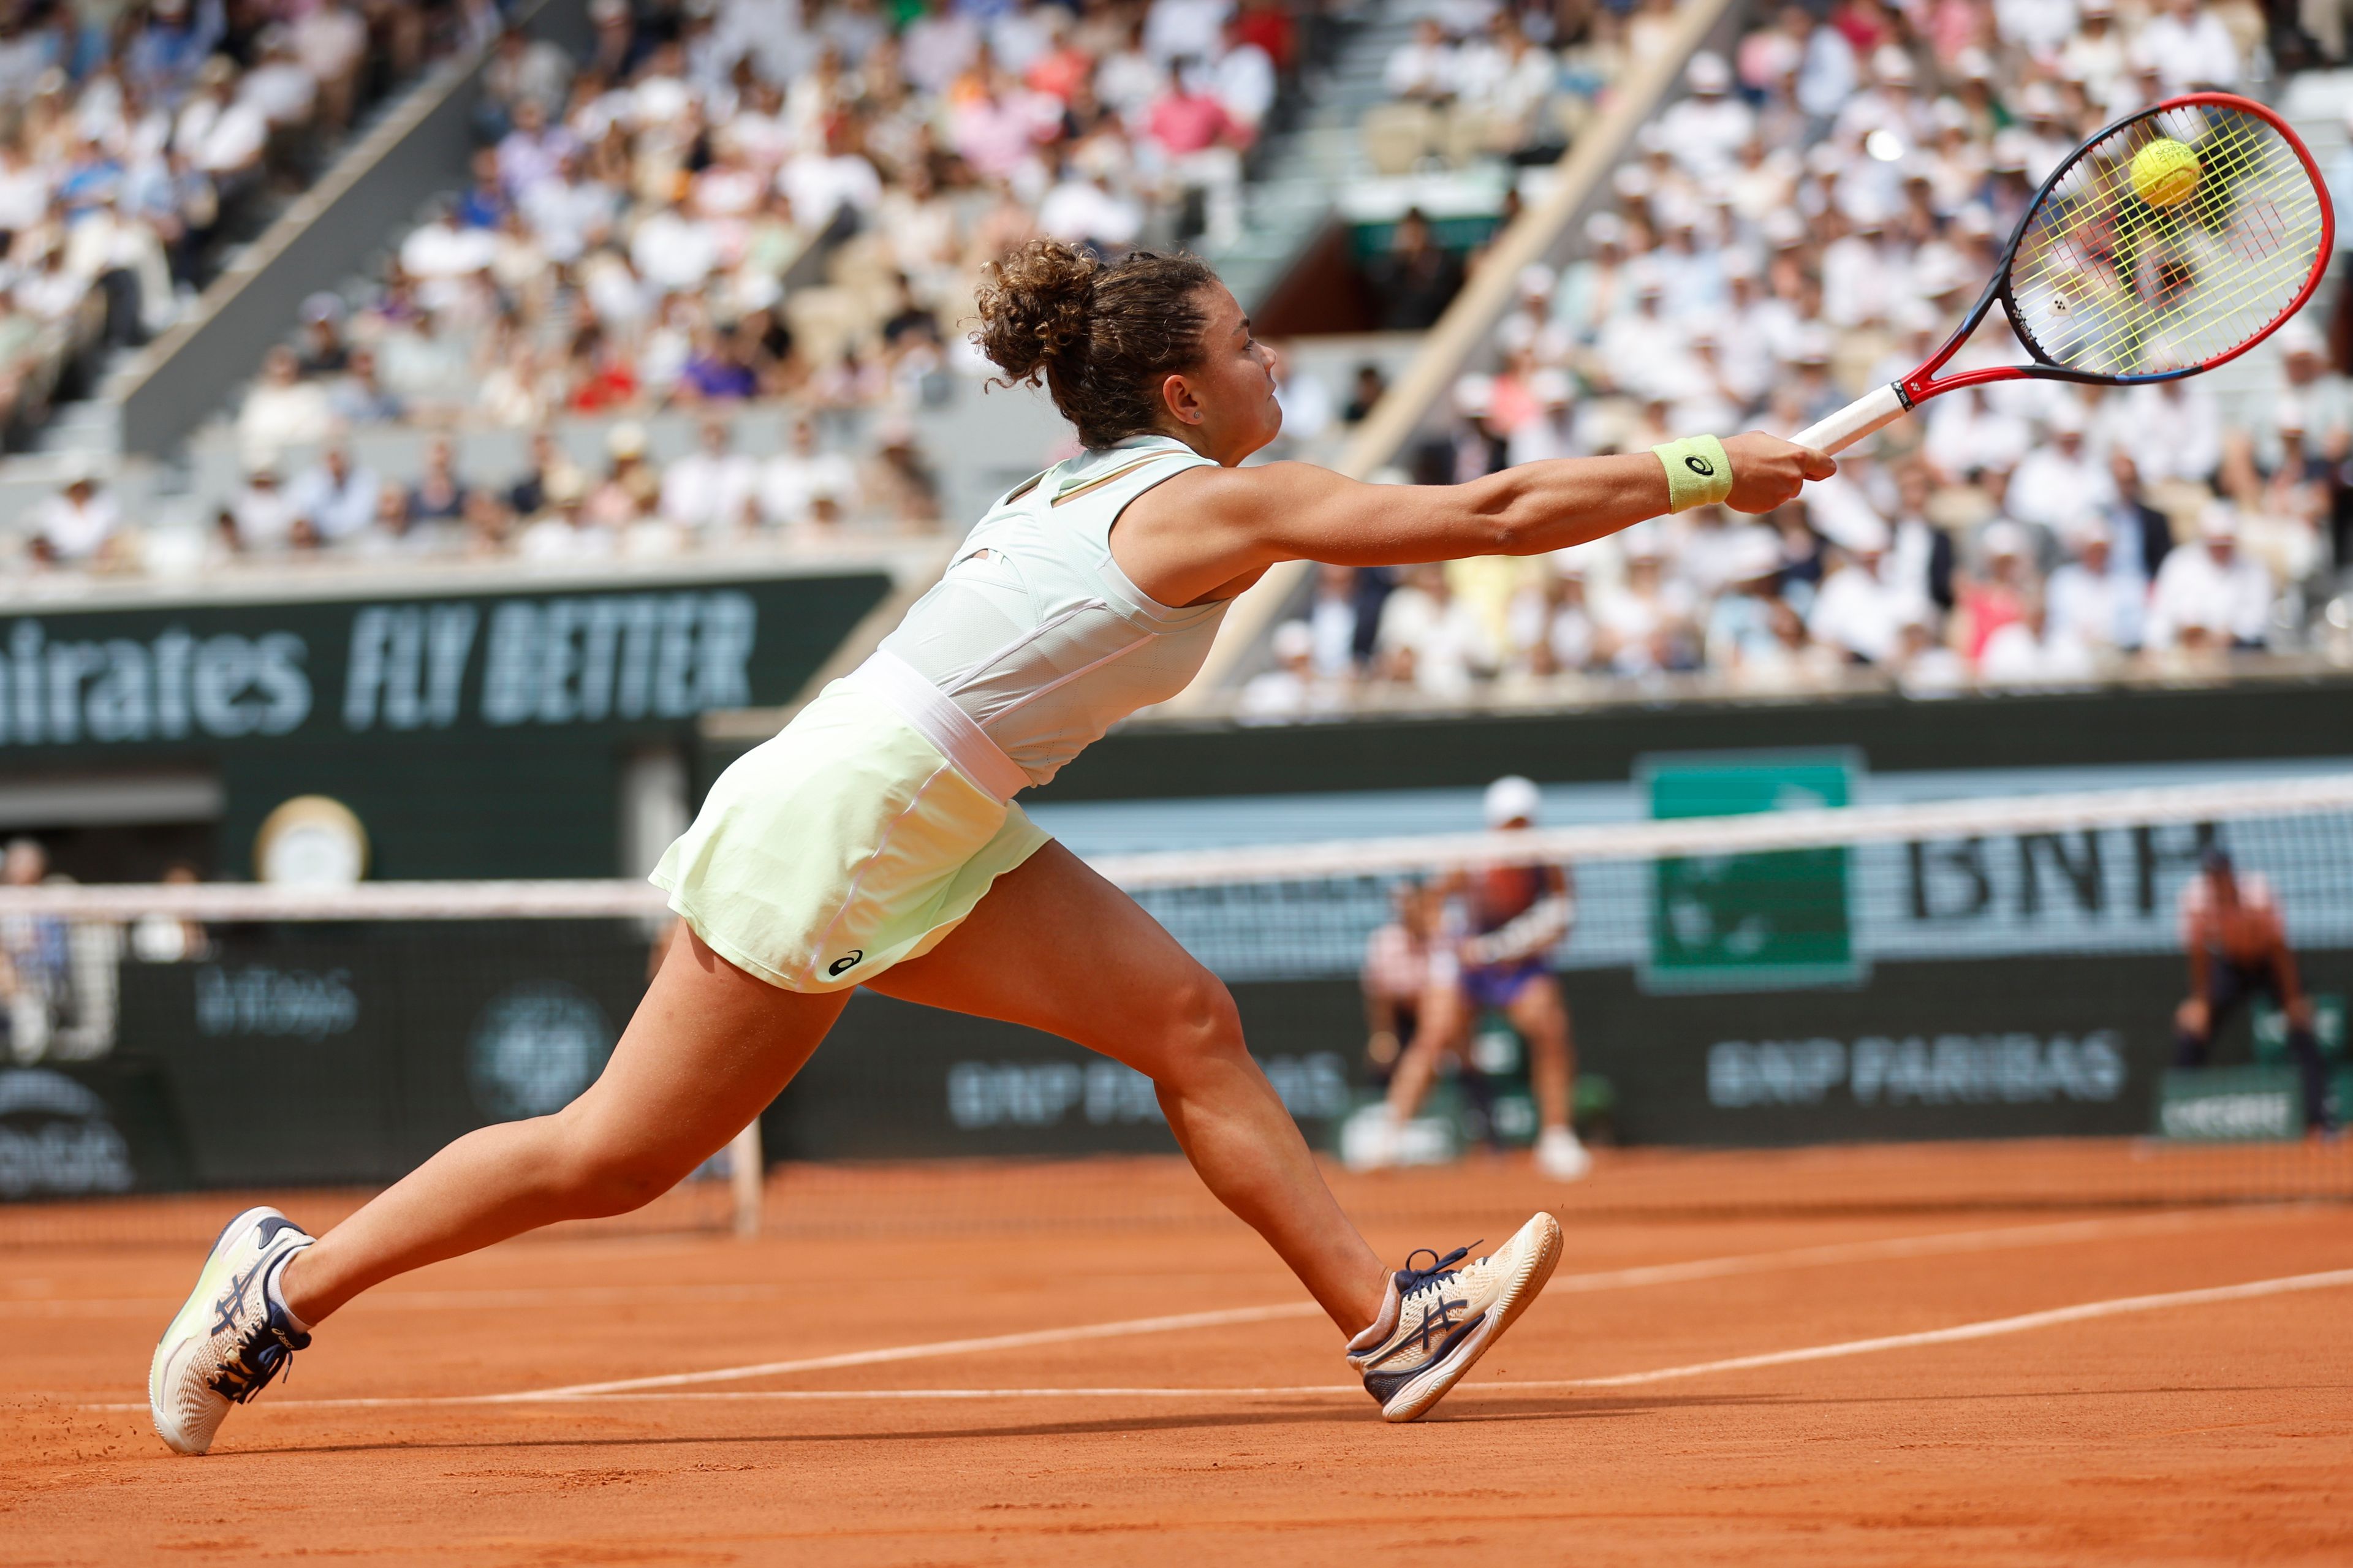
2169, 241
2164, 288
2108, 283
2161, 285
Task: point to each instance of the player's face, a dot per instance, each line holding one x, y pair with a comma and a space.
1225, 407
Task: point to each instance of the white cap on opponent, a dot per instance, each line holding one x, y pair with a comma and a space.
1512, 799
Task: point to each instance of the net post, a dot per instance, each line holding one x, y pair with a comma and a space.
744, 1172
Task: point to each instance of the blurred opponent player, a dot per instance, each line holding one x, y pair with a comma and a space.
1517, 915
875, 842
2237, 942
1396, 975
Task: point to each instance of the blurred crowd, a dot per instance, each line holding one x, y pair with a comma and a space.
724, 200
617, 503
1808, 221
1486, 79
133, 137
732, 199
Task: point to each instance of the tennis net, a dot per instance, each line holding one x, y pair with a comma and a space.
1988, 971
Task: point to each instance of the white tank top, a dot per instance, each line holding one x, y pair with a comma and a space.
1034, 642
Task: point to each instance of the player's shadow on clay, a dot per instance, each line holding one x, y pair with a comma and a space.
1498, 1406
1352, 1415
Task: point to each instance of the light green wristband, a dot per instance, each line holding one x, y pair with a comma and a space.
1698, 473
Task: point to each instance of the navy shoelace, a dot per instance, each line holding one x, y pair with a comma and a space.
1409, 1280
251, 1373
266, 1352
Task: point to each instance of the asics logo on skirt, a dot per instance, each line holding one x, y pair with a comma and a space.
847, 962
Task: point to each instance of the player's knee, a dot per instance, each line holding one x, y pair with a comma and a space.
1203, 1030
1543, 1014
594, 1177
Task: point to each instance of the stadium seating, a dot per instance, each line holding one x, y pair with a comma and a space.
719, 207
735, 228
141, 140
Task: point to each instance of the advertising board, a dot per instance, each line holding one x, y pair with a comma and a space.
476, 734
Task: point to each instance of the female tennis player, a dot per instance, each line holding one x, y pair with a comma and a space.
874, 841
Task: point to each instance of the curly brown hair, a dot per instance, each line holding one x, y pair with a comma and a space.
1102, 335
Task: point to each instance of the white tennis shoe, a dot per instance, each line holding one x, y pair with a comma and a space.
229, 1340
1560, 1156
1436, 1322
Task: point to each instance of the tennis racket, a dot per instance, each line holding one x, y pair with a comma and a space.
2173, 241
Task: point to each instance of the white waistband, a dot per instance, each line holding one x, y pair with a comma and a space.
939, 721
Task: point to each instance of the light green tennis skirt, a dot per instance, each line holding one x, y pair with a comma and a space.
843, 844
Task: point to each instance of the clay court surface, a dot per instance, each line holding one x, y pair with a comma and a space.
1913, 1355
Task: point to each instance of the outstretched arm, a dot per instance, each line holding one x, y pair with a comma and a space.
1205, 529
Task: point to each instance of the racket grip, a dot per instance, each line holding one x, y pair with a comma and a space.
1878, 407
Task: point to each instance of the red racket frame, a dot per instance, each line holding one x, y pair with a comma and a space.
1920, 384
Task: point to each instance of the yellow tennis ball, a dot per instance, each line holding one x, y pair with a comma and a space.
2165, 173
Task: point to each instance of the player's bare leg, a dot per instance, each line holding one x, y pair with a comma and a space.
1056, 947
1444, 1019
1541, 1016
708, 1048
1052, 945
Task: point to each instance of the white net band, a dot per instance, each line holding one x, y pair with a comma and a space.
1339, 860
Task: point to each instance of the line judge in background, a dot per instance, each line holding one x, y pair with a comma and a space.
2233, 929
1516, 914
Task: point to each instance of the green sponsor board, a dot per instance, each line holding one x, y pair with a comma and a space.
2231, 1105
2327, 1028
350, 1052
1750, 923
528, 661
84, 1129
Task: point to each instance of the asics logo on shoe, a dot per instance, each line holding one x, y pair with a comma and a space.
1440, 1317
225, 1310
847, 962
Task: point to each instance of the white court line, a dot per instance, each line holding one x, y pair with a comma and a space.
1936, 1243
1989, 1327
1616, 1278
914, 1353
622, 1386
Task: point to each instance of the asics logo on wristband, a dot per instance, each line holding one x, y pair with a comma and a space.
1701, 466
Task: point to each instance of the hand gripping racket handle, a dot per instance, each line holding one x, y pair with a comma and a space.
1875, 409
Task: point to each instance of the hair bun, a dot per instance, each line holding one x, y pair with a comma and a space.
1102, 335
1034, 307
